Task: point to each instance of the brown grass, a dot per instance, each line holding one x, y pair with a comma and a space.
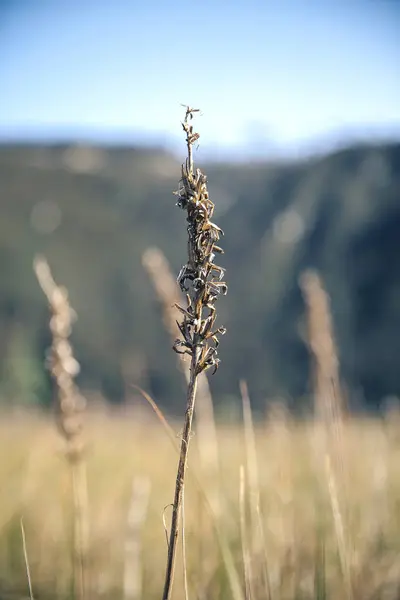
201, 279
298, 510
328, 408
34, 482
70, 406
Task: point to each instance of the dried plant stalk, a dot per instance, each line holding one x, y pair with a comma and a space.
328, 409
329, 401
327, 392
71, 405
205, 286
167, 291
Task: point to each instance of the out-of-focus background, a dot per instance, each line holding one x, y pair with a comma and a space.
300, 140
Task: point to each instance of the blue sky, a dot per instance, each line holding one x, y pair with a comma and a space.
272, 75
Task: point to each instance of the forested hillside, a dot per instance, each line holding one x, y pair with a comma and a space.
94, 211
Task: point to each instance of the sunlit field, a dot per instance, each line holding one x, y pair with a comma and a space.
289, 545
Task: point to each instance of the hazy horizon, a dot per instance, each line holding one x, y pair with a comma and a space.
270, 80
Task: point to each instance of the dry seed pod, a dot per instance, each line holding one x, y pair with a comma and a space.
201, 278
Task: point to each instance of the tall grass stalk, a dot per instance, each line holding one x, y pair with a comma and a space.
71, 404
329, 412
165, 285
248, 577
201, 279
258, 544
26, 559
169, 296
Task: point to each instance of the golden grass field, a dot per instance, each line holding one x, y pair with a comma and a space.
298, 554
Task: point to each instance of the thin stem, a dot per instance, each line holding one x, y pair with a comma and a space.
245, 550
28, 571
180, 478
199, 339
185, 577
190, 156
80, 528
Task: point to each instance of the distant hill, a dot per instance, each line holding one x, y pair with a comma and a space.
93, 211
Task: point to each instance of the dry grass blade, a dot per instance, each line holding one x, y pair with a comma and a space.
243, 533
71, 405
328, 397
339, 528
251, 459
24, 548
329, 410
319, 569
257, 528
160, 416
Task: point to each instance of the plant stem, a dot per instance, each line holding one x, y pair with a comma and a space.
180, 478
80, 528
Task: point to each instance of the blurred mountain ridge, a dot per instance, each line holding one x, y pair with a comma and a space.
93, 210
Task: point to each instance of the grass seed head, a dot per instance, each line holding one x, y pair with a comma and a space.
201, 278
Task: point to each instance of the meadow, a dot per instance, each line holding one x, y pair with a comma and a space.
95, 505
263, 527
